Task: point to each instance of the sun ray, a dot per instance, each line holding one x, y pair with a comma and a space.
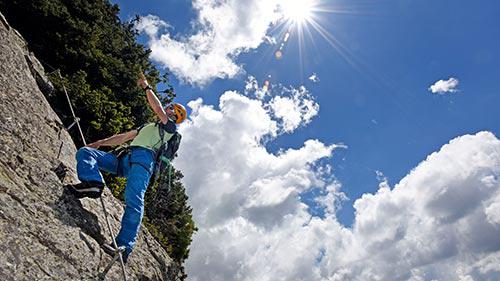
309, 19
364, 68
297, 11
328, 37
302, 18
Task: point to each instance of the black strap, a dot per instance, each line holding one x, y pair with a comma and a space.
121, 151
161, 132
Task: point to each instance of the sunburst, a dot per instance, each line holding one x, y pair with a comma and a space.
300, 18
298, 11
297, 17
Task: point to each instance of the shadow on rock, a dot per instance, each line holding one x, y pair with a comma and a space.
70, 211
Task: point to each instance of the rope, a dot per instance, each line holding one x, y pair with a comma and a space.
77, 121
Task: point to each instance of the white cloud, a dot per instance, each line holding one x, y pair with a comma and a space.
332, 198
439, 222
314, 78
292, 107
296, 109
151, 25
244, 198
492, 210
252, 88
270, 40
443, 87
433, 220
222, 30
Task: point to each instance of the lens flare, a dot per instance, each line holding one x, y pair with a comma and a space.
265, 87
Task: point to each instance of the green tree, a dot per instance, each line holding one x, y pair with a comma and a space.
98, 58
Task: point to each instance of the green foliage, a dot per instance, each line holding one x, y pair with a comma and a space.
158, 235
117, 186
168, 211
98, 58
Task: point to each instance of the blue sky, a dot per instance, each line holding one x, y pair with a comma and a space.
373, 89
379, 105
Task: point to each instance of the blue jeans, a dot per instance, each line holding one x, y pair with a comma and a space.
137, 166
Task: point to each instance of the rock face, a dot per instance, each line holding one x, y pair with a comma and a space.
46, 233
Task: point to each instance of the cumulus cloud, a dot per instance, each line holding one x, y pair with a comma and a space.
332, 198
252, 88
444, 86
292, 107
244, 198
434, 222
298, 108
440, 222
222, 31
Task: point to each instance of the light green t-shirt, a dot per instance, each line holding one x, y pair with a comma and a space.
149, 137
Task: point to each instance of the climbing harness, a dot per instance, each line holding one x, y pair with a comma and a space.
163, 155
119, 251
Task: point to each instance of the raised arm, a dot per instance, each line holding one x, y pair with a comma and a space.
153, 100
114, 140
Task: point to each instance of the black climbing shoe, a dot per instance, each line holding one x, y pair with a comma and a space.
110, 250
92, 189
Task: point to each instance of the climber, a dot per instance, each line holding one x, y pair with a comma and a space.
137, 165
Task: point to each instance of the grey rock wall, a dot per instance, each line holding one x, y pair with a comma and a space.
45, 233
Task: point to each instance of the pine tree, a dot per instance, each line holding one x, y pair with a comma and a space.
98, 58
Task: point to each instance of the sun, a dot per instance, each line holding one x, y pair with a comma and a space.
302, 19
297, 11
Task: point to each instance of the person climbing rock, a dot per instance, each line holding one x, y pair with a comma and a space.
136, 164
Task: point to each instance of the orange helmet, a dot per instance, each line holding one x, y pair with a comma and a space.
179, 111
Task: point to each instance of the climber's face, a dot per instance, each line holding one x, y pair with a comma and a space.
169, 110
